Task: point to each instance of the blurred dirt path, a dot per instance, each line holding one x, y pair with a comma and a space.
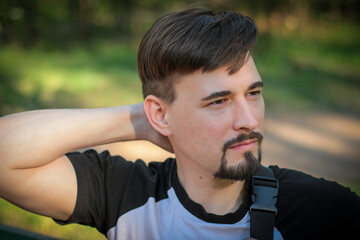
323, 145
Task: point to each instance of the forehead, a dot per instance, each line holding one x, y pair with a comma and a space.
200, 84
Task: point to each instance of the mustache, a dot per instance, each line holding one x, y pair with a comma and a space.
243, 137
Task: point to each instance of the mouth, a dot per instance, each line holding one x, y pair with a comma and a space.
243, 142
244, 146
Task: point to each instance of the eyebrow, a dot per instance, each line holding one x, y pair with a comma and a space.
255, 85
215, 95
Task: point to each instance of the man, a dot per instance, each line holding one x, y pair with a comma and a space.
203, 101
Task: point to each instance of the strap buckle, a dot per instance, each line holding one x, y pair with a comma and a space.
264, 195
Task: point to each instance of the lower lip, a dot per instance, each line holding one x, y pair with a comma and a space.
244, 147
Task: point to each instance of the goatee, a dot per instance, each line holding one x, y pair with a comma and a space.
243, 170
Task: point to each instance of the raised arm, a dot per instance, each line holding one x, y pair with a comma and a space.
35, 174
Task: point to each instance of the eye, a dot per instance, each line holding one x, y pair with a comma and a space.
218, 102
253, 94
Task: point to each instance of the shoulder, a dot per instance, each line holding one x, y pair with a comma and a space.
110, 186
116, 169
315, 204
299, 184
104, 161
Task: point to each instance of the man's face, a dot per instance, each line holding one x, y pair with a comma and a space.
216, 122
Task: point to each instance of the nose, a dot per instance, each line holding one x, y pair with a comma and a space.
244, 117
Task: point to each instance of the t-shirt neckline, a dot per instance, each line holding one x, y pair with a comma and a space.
198, 210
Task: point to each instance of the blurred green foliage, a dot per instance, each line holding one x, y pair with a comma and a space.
309, 72
48, 23
82, 53
14, 216
101, 75
315, 71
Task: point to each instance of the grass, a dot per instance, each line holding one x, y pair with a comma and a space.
17, 217
317, 69
101, 75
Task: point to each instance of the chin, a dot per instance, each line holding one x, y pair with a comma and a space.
243, 170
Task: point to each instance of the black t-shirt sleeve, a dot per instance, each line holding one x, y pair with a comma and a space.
94, 172
314, 208
109, 186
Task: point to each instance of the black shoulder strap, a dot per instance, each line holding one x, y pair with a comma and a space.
262, 211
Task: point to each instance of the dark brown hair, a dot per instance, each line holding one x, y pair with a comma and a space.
181, 43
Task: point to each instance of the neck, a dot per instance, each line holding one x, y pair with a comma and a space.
217, 196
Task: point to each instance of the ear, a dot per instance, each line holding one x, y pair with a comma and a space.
156, 111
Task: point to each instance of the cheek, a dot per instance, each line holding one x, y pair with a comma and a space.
260, 120
258, 110
199, 132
